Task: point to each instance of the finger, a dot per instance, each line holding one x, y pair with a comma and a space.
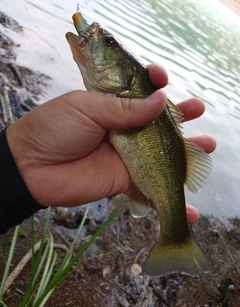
191, 108
207, 142
118, 113
158, 75
192, 214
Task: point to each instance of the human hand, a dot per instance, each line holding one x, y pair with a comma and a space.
62, 150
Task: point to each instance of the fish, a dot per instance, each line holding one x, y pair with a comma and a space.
159, 159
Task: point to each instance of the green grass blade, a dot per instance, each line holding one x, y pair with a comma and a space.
48, 267
42, 260
68, 255
80, 227
46, 297
37, 262
22, 232
60, 276
30, 289
3, 304
7, 267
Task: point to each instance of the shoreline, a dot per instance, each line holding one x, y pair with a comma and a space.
232, 5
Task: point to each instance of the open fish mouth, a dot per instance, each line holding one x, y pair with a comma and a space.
81, 41
75, 43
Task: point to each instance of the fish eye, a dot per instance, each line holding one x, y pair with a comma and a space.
109, 39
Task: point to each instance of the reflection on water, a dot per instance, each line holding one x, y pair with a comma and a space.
197, 41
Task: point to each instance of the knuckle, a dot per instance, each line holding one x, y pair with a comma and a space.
126, 104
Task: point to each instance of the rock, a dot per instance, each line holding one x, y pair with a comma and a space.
67, 217
20, 87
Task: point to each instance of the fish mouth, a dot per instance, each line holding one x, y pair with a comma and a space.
80, 42
73, 41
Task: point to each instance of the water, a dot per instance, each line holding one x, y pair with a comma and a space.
198, 43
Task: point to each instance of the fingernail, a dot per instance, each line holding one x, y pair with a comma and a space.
156, 96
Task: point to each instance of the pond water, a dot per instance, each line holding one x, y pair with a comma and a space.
197, 41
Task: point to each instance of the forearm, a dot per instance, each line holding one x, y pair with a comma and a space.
16, 203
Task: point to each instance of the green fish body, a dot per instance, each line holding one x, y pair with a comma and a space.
159, 159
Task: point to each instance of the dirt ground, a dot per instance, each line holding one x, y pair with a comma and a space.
107, 274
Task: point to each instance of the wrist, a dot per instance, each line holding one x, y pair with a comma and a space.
15, 146
16, 202
18, 147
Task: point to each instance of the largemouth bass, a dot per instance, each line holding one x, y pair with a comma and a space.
159, 159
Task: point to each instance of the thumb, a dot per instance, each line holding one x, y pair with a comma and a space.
120, 113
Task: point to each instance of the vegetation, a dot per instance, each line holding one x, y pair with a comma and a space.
46, 274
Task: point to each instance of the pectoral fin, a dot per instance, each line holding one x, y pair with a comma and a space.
139, 204
199, 166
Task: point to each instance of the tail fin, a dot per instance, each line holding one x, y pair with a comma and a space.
183, 258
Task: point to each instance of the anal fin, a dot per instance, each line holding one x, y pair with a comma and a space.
139, 204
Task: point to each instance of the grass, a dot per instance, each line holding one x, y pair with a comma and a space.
8, 263
46, 275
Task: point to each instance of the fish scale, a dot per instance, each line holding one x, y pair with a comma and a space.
159, 159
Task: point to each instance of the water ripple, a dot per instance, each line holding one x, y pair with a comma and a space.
199, 44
